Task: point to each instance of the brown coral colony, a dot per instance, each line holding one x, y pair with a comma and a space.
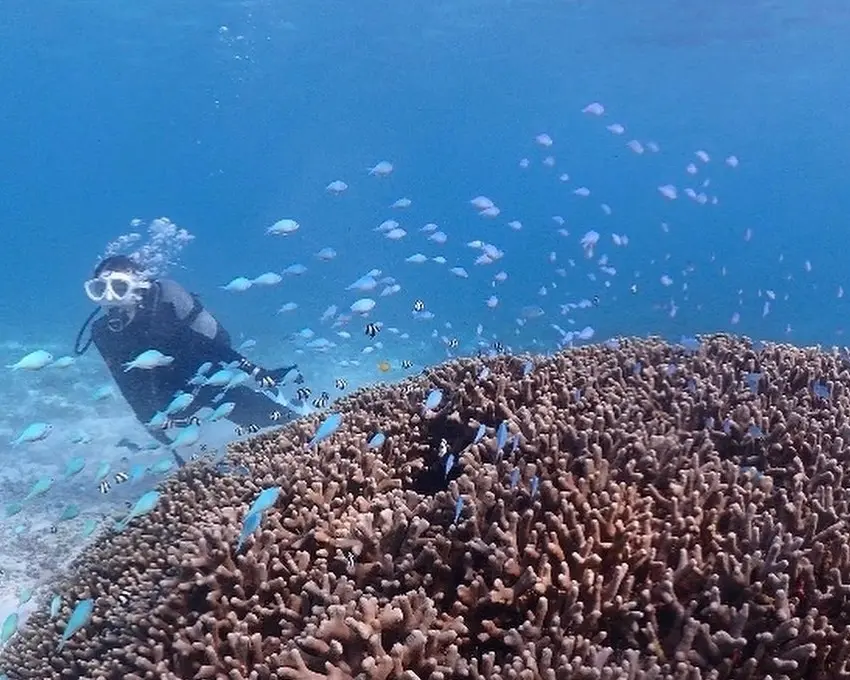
667, 513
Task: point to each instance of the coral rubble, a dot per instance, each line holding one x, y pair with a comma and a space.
666, 513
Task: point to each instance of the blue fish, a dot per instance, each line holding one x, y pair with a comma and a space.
450, 463
79, 618
102, 471
576, 395
484, 374
515, 444
501, 436
266, 499
327, 428
180, 402
755, 432
753, 380
535, 483
433, 399
820, 389
480, 433
514, 477
74, 466
249, 525
691, 344
33, 433
527, 368
142, 507
10, 627
458, 508
55, 606
377, 441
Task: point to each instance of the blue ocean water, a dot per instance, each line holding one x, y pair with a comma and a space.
228, 116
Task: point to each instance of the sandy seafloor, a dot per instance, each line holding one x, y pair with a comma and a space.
35, 544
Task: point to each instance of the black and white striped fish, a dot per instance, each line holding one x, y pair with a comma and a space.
418, 306
406, 363
322, 401
372, 329
452, 343
274, 416
121, 477
104, 486
303, 393
247, 429
340, 383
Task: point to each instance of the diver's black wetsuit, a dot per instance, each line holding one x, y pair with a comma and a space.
171, 320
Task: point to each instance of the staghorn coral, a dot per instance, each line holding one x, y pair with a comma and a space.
673, 515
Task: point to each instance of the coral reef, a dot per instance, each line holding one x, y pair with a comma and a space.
667, 513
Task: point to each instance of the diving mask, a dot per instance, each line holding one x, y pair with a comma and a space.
115, 288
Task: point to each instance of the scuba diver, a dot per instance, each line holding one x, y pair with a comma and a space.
141, 314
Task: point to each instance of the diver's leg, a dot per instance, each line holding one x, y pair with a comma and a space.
255, 408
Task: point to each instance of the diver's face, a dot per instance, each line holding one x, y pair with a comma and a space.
116, 289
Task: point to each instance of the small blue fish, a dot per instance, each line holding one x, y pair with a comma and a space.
102, 471
450, 463
55, 606
691, 385
137, 472
377, 441
10, 627
221, 411
151, 358
142, 507
691, 344
501, 436
74, 466
70, 512
753, 380
89, 527
535, 483
266, 499
820, 389
484, 374
41, 486
515, 444
34, 432
433, 399
527, 368
458, 509
180, 402
249, 525
162, 466
514, 477
13, 509
637, 368
79, 618
102, 393
187, 436
24, 596
576, 395
755, 432
327, 428
727, 426
220, 378
480, 434
33, 361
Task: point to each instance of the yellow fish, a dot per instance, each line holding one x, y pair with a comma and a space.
384, 366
